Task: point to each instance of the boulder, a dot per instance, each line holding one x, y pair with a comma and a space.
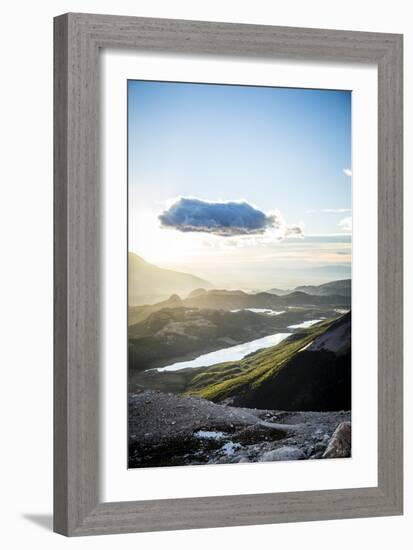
284, 453
339, 445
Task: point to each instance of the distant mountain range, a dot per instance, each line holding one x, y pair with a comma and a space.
148, 283
236, 299
338, 288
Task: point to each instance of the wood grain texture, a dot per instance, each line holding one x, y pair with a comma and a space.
78, 39
60, 278
390, 272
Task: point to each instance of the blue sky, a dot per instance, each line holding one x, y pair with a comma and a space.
286, 153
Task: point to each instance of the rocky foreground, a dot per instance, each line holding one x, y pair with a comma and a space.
171, 430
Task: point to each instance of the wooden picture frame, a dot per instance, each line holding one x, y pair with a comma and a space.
78, 39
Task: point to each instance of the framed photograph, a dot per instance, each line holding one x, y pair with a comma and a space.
228, 274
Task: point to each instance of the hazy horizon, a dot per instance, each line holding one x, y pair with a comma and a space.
295, 280
246, 187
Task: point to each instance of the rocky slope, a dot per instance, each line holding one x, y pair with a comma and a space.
170, 430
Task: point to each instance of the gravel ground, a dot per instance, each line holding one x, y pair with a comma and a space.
171, 430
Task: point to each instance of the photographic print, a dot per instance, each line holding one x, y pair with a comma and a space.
239, 274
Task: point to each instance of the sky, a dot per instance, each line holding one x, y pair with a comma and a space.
248, 187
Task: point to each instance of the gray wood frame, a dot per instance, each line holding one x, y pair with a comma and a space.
78, 39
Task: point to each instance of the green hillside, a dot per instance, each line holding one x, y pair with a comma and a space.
286, 376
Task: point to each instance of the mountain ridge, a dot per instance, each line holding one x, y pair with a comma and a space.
341, 287
229, 299
148, 283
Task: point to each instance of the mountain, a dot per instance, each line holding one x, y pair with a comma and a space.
279, 291
137, 314
148, 283
341, 288
237, 299
336, 288
309, 371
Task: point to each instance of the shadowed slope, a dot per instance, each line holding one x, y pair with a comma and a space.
311, 370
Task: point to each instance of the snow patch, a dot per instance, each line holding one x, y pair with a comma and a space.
203, 434
307, 346
258, 310
305, 324
230, 448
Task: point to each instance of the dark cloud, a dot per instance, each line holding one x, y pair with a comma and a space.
219, 218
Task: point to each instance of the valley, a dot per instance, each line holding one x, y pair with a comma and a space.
174, 334
221, 376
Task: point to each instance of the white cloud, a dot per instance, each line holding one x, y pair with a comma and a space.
346, 224
336, 210
226, 219
237, 220
348, 172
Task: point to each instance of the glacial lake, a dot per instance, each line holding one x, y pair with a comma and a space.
258, 310
234, 353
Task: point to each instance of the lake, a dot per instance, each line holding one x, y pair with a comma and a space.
233, 353
258, 310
